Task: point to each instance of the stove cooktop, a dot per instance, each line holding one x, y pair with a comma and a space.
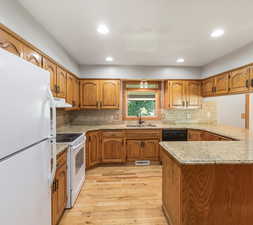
67, 137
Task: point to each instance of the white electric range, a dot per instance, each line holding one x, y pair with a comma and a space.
75, 163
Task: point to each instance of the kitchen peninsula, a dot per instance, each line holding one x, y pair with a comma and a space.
208, 183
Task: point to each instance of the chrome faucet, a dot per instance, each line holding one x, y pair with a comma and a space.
140, 121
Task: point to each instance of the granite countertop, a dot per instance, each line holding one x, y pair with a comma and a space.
196, 152
60, 148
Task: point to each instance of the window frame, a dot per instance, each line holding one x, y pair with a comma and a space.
157, 99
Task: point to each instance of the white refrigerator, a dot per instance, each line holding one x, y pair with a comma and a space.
27, 140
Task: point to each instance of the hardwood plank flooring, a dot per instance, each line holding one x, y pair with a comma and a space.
119, 196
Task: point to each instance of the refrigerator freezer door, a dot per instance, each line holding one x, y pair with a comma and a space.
25, 190
25, 104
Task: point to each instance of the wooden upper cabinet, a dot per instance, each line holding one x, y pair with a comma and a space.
70, 89
61, 83
193, 94
239, 80
89, 93
221, 84
110, 91
251, 78
51, 68
32, 56
76, 102
208, 87
11, 44
113, 150
100, 94
177, 94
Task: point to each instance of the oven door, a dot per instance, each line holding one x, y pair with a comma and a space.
77, 170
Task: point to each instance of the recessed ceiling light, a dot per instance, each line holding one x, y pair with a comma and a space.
109, 59
102, 29
217, 33
180, 60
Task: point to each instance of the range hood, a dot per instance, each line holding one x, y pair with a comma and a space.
61, 103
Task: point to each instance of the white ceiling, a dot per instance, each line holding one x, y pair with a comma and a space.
146, 32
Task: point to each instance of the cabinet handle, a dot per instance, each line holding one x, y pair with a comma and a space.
97, 104
251, 82
55, 88
247, 83
183, 103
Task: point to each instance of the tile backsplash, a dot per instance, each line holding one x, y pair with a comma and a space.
206, 114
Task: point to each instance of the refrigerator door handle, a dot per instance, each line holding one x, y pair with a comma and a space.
53, 137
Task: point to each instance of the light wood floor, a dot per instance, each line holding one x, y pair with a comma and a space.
119, 196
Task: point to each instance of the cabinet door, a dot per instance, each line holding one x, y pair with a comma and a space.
251, 78
76, 102
61, 83
110, 94
61, 185
171, 190
113, 150
89, 93
54, 203
149, 150
70, 89
208, 87
32, 56
221, 84
51, 68
239, 80
167, 94
194, 135
93, 148
11, 44
177, 94
133, 149
193, 93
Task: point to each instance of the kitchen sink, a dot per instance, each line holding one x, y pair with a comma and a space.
138, 125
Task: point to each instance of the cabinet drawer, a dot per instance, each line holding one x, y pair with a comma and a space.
61, 159
143, 134
112, 134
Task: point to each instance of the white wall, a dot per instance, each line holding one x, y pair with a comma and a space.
16, 18
140, 72
229, 109
233, 60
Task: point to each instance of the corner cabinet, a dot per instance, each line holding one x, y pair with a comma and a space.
180, 94
99, 94
59, 188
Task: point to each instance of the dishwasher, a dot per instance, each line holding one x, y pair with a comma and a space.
174, 135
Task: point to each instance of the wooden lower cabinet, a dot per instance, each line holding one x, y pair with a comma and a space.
207, 194
171, 190
142, 150
59, 189
113, 150
93, 155
199, 135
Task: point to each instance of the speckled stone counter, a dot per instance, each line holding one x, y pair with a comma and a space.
204, 152
60, 148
